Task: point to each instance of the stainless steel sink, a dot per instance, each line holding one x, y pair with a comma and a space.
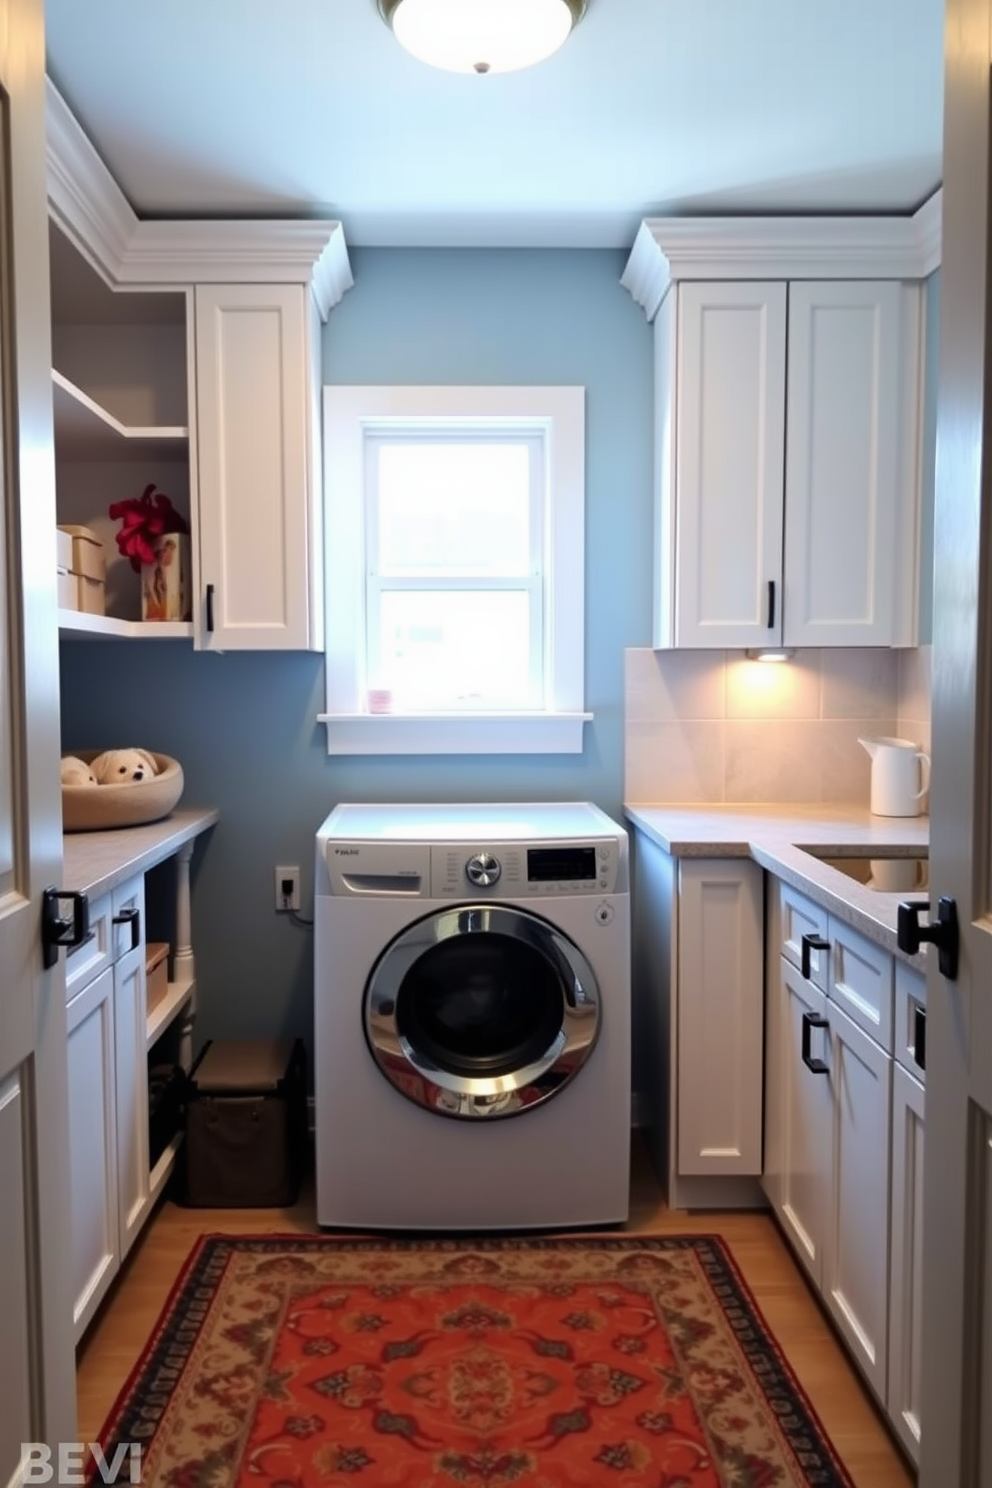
886, 873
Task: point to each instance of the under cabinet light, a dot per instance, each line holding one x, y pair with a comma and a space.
769, 653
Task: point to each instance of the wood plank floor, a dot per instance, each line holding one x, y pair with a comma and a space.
114, 1341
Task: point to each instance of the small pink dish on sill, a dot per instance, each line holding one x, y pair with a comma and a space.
102, 808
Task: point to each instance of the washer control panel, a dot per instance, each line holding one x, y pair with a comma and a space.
518, 870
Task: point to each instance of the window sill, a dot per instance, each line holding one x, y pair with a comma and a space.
454, 733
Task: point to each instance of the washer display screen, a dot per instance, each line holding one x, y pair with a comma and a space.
560, 864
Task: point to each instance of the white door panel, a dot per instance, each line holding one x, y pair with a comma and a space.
37, 1396
956, 1445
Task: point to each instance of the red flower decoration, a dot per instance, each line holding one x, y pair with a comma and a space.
145, 518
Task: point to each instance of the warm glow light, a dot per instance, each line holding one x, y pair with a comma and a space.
769, 655
481, 35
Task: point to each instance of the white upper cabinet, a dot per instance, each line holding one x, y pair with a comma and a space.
240, 452
788, 392
258, 472
721, 490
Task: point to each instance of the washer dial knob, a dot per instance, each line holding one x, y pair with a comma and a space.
483, 869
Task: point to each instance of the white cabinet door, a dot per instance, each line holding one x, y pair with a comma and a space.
798, 1113
906, 1260
130, 1060
730, 413
844, 442
258, 529
856, 1249
92, 1146
720, 962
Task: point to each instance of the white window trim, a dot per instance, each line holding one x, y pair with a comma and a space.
348, 413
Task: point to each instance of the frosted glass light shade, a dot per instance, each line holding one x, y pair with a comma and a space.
481, 35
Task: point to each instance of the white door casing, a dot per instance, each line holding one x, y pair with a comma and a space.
956, 1426
36, 1361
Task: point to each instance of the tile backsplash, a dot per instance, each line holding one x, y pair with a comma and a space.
712, 726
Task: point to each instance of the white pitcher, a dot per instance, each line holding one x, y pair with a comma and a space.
900, 776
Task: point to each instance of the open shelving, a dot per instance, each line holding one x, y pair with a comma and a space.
78, 624
85, 430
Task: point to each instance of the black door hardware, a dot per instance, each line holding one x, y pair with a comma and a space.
771, 604
59, 931
941, 932
811, 943
920, 1037
811, 1021
210, 608
131, 917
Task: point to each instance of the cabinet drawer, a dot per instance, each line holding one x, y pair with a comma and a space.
94, 954
861, 981
909, 1036
127, 920
801, 916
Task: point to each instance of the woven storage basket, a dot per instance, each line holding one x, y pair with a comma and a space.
101, 808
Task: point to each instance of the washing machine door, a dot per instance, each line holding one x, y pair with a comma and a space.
481, 1011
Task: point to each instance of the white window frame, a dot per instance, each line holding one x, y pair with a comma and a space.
349, 414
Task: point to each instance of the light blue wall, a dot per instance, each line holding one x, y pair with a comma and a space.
244, 726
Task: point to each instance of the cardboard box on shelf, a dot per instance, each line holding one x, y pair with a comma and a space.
63, 550
88, 558
68, 593
156, 972
91, 595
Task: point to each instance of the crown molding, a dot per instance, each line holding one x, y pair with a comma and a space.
669, 249
928, 222
240, 251
90, 208
83, 197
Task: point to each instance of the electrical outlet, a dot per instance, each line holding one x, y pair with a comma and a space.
287, 888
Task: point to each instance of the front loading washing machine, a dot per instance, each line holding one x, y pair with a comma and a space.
472, 1017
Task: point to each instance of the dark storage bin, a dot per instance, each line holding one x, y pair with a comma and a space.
166, 1096
246, 1125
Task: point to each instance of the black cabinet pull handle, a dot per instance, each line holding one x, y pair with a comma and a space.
941, 932
59, 930
920, 1037
811, 943
131, 917
210, 609
771, 604
811, 1021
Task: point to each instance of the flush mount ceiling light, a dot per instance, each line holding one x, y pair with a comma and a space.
481, 35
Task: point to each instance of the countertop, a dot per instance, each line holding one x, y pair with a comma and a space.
95, 862
780, 838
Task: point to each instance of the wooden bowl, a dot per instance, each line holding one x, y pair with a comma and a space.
101, 808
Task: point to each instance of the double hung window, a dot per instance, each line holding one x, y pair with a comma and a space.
454, 538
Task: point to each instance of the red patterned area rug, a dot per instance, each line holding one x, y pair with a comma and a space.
543, 1363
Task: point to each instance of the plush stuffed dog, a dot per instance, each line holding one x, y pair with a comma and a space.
75, 771
123, 766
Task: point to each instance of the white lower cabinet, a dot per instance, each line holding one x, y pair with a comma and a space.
108, 1095
798, 1114
131, 1084
92, 1146
906, 1273
844, 1057
856, 1245
720, 916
